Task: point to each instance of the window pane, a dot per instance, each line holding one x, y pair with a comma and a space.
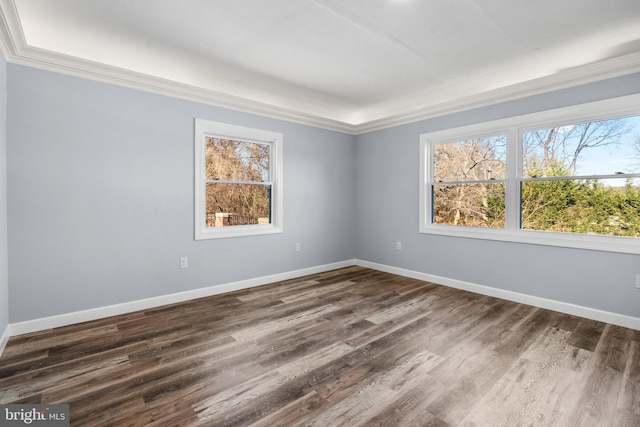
594, 148
582, 206
230, 160
478, 205
238, 204
470, 160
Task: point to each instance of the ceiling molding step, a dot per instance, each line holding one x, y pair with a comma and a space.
11, 34
591, 73
54, 62
50, 61
16, 50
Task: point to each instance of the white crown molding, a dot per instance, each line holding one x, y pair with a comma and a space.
15, 50
591, 73
68, 65
11, 34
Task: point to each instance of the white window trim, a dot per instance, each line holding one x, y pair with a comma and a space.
204, 128
514, 126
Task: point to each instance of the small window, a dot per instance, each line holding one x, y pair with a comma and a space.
237, 181
468, 186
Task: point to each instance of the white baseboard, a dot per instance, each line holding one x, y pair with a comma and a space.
562, 307
44, 323
5, 338
41, 324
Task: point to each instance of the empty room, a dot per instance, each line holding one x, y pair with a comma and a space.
320, 213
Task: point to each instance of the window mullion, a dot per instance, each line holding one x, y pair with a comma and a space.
471, 181
514, 171
582, 177
222, 181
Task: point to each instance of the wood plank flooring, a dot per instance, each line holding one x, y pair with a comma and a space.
350, 347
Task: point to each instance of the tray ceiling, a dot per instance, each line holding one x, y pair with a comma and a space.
351, 65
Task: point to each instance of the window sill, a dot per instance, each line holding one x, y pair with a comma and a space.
236, 231
628, 245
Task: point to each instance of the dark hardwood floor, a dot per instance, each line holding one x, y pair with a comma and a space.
348, 347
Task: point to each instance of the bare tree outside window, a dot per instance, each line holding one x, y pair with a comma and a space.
238, 189
581, 178
464, 191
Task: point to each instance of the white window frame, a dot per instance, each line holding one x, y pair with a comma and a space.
513, 127
206, 128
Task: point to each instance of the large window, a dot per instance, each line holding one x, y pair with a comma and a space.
237, 181
568, 177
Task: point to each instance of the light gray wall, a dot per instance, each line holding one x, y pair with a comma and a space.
100, 197
387, 211
4, 280
100, 203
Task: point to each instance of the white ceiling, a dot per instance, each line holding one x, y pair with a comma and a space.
351, 65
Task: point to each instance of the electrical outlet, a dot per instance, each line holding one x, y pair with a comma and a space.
184, 262
399, 246
298, 247
638, 281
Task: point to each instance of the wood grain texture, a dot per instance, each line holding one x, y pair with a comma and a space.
350, 347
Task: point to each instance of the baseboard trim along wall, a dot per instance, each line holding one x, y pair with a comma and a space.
44, 323
562, 307
41, 324
4, 339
